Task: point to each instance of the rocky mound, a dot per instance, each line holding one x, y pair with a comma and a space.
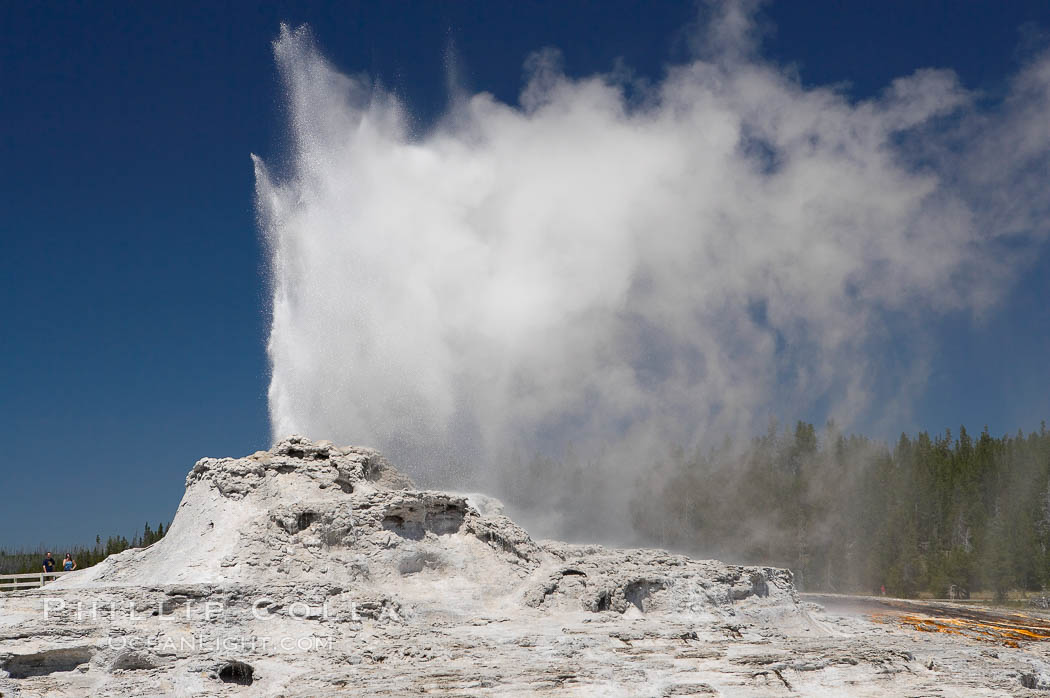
334, 551
315, 513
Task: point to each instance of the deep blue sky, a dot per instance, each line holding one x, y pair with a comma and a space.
133, 295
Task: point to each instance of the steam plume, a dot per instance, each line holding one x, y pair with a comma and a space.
620, 267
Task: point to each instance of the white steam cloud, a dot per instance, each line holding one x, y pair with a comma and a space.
620, 266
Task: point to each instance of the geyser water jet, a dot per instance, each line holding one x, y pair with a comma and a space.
619, 274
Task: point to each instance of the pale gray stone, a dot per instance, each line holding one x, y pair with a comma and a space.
313, 569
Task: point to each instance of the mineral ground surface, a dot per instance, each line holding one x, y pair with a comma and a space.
312, 569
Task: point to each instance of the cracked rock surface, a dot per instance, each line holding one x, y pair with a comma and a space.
312, 569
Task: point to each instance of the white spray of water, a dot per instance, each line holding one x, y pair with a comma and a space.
623, 273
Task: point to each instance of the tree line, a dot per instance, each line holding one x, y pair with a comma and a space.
941, 515
30, 561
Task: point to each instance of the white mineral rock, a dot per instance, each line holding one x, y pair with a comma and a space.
312, 569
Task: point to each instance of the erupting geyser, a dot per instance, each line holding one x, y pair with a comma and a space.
619, 265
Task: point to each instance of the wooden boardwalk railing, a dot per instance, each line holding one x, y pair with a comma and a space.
33, 580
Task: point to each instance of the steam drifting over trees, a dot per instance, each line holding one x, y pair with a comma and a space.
848, 514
